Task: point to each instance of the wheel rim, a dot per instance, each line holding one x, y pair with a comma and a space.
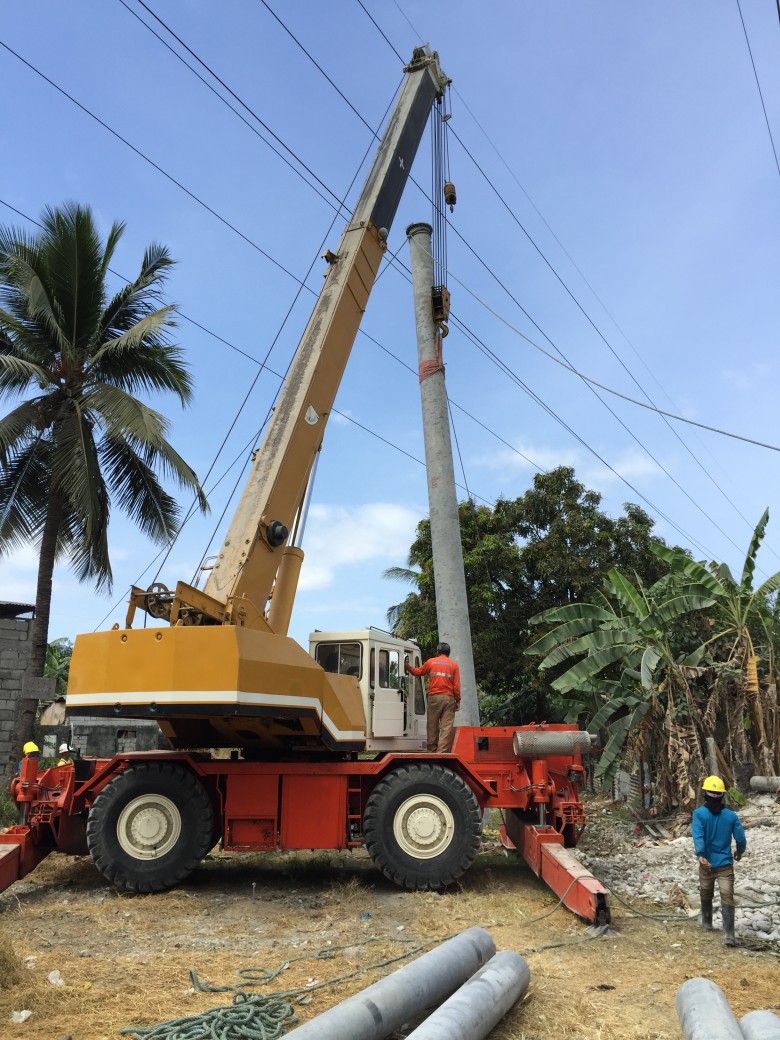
424, 826
149, 826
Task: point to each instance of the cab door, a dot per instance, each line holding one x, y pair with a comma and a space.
386, 691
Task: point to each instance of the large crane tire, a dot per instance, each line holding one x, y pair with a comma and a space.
150, 826
422, 826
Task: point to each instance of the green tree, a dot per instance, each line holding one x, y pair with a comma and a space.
58, 655
81, 441
551, 546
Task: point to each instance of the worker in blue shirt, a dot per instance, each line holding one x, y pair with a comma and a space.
713, 827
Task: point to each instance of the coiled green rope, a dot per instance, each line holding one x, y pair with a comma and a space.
255, 1016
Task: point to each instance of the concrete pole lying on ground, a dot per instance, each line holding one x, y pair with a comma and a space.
765, 784
760, 1025
704, 1012
452, 610
384, 1007
480, 1003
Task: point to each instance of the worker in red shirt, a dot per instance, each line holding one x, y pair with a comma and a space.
443, 697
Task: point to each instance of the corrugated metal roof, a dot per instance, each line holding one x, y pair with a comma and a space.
12, 610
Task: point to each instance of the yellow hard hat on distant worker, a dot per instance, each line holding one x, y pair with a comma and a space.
29, 747
714, 785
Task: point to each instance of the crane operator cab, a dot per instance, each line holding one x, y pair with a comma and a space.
394, 703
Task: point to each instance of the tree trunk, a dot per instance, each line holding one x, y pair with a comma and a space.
28, 707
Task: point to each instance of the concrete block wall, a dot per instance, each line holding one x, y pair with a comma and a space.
15, 647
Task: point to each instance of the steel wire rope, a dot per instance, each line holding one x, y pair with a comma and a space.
758, 84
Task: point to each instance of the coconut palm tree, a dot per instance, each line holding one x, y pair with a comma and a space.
80, 441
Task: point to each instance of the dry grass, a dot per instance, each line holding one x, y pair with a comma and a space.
10, 964
142, 947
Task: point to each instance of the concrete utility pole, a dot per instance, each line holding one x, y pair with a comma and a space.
452, 611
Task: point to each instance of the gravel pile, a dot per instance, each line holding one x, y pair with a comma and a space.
665, 871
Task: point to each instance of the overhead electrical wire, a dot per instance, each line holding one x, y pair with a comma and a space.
680, 487
146, 158
615, 393
570, 367
580, 272
336, 203
562, 422
657, 462
694, 502
758, 85
598, 331
294, 277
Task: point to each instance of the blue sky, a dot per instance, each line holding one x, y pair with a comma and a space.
628, 140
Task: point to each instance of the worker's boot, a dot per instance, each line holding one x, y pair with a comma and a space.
728, 926
706, 915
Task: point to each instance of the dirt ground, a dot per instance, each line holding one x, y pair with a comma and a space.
125, 959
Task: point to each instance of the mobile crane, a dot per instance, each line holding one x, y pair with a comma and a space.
327, 747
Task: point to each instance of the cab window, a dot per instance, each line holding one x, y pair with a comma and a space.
340, 658
388, 670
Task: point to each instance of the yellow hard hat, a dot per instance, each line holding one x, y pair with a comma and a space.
29, 747
714, 785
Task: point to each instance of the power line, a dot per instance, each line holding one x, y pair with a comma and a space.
598, 331
616, 393
146, 158
593, 324
502, 366
225, 102
760, 93
652, 406
379, 30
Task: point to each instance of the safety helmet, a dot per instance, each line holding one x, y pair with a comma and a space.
64, 749
443, 648
30, 747
714, 785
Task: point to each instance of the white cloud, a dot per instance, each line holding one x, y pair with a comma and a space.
338, 537
747, 377
629, 464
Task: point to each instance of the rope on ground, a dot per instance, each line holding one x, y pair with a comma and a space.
256, 1016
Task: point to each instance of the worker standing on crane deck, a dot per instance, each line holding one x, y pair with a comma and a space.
443, 697
712, 827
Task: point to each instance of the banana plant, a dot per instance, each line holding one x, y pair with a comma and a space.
617, 653
739, 611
